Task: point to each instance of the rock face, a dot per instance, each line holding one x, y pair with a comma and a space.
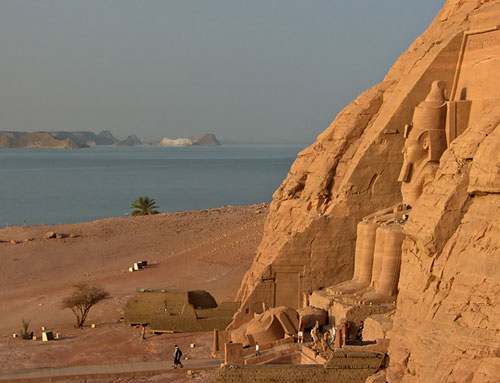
448, 310
129, 141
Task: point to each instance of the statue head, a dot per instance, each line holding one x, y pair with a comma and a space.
425, 136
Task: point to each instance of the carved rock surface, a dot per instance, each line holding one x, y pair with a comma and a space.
352, 168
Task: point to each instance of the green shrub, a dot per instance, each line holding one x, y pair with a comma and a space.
25, 334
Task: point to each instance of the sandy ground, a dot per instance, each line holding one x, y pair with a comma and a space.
207, 249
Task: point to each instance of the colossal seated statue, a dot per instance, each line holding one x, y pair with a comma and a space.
380, 235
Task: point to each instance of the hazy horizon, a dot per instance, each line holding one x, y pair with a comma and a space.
247, 71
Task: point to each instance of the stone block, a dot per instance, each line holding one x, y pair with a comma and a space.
376, 326
321, 299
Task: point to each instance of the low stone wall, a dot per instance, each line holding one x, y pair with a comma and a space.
184, 323
178, 311
291, 374
343, 367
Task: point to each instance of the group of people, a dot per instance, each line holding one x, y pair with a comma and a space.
327, 341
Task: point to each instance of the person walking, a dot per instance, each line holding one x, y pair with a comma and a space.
177, 357
257, 349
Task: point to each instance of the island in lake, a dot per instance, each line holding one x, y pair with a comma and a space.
203, 140
60, 139
85, 139
131, 140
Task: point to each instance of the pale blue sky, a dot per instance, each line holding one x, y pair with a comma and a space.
249, 71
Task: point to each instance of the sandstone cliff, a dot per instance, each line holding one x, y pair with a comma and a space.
445, 326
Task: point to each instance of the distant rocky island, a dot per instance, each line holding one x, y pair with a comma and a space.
60, 139
203, 140
131, 140
85, 139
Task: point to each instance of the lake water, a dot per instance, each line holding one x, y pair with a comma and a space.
50, 186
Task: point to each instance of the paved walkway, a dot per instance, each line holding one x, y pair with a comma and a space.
105, 371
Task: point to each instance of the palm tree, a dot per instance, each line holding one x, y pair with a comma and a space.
144, 206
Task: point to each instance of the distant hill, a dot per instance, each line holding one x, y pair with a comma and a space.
89, 138
106, 136
205, 140
60, 139
131, 140
37, 140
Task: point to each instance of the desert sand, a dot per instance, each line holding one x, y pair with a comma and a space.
207, 249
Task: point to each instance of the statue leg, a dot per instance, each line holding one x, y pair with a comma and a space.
389, 274
363, 260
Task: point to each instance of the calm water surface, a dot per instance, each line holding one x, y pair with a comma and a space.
46, 186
